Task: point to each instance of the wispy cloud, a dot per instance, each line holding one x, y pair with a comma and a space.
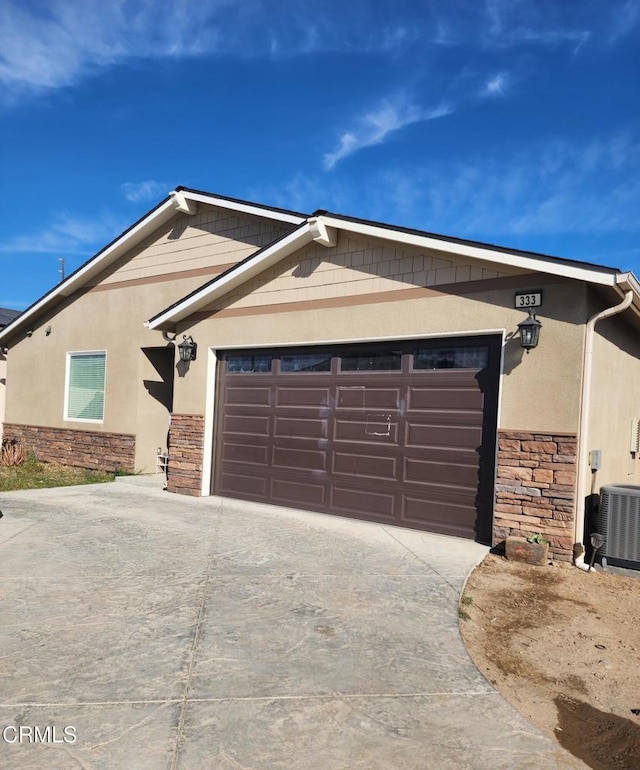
496, 85
625, 19
149, 190
58, 47
548, 190
66, 235
524, 198
375, 126
508, 23
61, 42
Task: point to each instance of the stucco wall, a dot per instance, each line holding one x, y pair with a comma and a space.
109, 321
109, 315
615, 401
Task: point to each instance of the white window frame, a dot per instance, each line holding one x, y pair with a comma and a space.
70, 355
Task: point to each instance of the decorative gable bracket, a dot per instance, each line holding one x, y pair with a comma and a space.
326, 236
183, 204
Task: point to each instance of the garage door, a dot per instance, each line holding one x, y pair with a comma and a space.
401, 433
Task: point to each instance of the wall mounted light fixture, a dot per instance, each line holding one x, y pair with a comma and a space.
187, 349
529, 331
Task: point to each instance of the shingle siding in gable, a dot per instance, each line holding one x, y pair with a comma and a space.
354, 267
212, 238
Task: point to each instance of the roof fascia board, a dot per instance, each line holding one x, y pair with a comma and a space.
246, 208
532, 264
234, 278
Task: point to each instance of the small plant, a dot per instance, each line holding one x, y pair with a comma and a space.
11, 453
463, 614
466, 599
537, 538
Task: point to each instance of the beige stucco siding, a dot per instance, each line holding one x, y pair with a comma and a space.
540, 391
209, 241
109, 321
615, 401
109, 315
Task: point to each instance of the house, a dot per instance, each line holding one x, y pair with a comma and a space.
6, 316
337, 365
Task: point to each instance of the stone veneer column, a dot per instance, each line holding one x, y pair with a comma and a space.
186, 446
535, 488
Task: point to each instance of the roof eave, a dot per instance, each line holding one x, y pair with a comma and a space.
532, 262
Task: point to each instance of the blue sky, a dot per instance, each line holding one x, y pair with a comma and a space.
507, 121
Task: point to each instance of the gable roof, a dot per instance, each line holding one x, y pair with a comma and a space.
181, 200
324, 222
6, 316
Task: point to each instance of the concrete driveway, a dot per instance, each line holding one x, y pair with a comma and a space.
141, 629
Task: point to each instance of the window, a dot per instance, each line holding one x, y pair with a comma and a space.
451, 358
248, 364
389, 360
84, 394
306, 362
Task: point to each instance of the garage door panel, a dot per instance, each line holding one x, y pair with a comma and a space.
301, 427
443, 493
306, 397
359, 501
248, 396
243, 485
444, 418
250, 425
250, 454
363, 397
424, 472
299, 458
444, 435
448, 399
359, 465
375, 432
445, 518
292, 491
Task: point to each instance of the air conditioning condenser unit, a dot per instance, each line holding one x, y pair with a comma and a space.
619, 523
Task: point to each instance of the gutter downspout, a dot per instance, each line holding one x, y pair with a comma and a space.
585, 409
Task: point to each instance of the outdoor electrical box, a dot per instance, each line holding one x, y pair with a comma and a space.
595, 459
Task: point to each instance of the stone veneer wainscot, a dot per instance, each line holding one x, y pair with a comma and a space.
81, 448
535, 488
186, 445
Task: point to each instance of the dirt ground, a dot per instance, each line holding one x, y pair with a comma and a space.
563, 646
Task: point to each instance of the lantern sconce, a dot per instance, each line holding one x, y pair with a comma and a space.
529, 331
187, 349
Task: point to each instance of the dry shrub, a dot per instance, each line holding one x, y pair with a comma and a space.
12, 453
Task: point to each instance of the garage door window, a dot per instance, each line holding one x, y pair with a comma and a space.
249, 364
451, 358
390, 360
306, 362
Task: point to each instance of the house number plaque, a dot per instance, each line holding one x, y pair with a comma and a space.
528, 299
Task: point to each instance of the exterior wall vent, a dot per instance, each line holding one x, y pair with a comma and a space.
619, 523
634, 446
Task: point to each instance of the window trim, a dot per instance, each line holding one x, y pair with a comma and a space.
76, 353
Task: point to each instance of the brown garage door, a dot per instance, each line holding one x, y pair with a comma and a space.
402, 433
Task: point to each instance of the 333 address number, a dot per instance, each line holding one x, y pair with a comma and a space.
529, 299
